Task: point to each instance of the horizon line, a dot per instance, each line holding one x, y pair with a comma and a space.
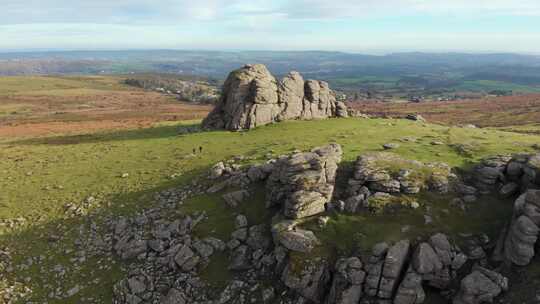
366, 52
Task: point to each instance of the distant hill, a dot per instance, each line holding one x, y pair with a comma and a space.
406, 73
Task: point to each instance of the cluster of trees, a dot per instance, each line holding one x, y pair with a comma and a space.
185, 90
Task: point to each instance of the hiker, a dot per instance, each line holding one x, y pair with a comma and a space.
200, 149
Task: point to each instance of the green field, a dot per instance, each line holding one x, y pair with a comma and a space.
491, 85
41, 175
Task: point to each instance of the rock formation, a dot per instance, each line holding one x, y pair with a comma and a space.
524, 229
347, 284
252, 97
375, 175
509, 175
303, 183
481, 286
170, 256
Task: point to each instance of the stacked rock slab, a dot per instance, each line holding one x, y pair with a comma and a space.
524, 229
374, 269
394, 264
506, 172
490, 173
252, 97
303, 183
434, 263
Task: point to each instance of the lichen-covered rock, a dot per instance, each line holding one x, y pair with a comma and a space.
233, 199
374, 269
252, 97
298, 240
132, 289
481, 286
410, 290
291, 96
303, 183
174, 296
347, 283
519, 244
490, 172
425, 260
309, 279
394, 263
389, 173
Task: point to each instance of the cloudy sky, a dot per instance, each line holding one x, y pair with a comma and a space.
370, 26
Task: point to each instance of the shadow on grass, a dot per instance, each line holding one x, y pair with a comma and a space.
56, 241
133, 134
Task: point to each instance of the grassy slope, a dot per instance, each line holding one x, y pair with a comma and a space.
39, 176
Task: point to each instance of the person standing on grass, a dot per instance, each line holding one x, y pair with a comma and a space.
200, 149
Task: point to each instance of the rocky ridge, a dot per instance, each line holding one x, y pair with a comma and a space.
395, 273
252, 97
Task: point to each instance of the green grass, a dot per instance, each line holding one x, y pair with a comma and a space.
491, 85
488, 215
361, 81
40, 176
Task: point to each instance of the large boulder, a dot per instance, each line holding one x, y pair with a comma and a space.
394, 264
481, 286
410, 290
252, 97
291, 96
303, 183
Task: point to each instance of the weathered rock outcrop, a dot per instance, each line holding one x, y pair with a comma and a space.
303, 183
286, 234
502, 173
481, 286
377, 174
347, 283
393, 274
310, 279
524, 229
252, 97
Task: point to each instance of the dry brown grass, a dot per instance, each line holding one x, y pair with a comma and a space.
68, 109
487, 112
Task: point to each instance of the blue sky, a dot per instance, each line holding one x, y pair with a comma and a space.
368, 26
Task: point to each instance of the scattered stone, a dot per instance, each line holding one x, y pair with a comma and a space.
233, 199
415, 117
390, 146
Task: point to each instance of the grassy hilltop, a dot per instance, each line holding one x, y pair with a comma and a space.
42, 175
122, 170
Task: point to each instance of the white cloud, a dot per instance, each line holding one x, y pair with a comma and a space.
359, 8
178, 11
